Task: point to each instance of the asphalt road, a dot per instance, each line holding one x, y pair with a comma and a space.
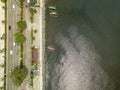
12, 60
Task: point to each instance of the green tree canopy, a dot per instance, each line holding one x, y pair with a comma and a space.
32, 12
21, 25
3, 1
18, 75
19, 38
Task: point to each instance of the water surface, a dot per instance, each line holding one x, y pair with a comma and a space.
86, 38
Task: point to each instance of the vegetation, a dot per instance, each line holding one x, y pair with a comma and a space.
2, 65
21, 6
3, 21
21, 25
19, 38
35, 1
35, 31
21, 55
1, 88
3, 1
32, 12
3, 37
18, 75
32, 3
2, 50
2, 79
31, 80
3, 7
32, 37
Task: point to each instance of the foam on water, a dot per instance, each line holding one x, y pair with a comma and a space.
78, 68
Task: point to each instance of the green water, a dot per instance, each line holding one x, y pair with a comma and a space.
97, 20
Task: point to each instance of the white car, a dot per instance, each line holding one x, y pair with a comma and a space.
11, 52
14, 43
13, 6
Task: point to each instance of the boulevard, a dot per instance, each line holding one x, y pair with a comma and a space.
12, 51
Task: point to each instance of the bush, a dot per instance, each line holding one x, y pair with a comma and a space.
2, 65
19, 38
1, 88
32, 12
35, 1
21, 25
35, 31
3, 21
31, 80
18, 75
32, 36
31, 19
3, 7
3, 1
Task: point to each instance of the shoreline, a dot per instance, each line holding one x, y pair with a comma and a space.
42, 43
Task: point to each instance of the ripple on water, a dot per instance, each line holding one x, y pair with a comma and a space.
78, 68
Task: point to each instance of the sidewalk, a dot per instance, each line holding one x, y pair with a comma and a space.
39, 24
39, 42
2, 44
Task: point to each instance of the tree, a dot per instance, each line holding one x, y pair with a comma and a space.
21, 25
35, 31
32, 12
1, 88
2, 79
18, 75
19, 37
2, 65
3, 1
3, 21
3, 7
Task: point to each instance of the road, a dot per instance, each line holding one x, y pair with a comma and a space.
12, 60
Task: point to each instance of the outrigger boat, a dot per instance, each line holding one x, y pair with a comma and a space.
52, 7
51, 48
53, 13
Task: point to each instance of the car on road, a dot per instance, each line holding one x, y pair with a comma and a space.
9, 27
13, 6
14, 44
11, 52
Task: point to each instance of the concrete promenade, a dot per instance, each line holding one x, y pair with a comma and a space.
39, 42
42, 40
39, 80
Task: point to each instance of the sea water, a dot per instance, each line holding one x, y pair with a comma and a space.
85, 36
